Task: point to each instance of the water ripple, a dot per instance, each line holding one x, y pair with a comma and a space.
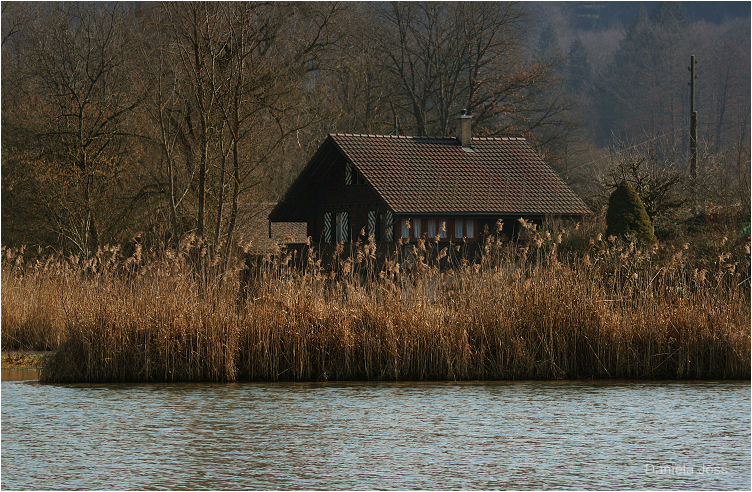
521, 435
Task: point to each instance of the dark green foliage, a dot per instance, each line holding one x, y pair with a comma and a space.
669, 13
626, 214
580, 70
548, 43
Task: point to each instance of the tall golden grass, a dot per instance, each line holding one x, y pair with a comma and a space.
524, 310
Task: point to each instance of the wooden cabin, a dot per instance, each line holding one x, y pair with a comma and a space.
396, 187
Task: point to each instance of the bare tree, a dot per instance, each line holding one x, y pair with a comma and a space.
446, 57
230, 85
655, 171
353, 95
272, 51
73, 73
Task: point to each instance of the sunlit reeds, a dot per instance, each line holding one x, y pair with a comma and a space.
527, 309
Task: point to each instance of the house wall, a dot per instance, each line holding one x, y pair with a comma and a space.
446, 227
468, 228
331, 195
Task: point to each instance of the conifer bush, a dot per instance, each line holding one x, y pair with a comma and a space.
627, 216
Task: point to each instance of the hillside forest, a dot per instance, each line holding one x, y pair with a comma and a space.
169, 118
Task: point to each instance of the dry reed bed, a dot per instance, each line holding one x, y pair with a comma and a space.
521, 313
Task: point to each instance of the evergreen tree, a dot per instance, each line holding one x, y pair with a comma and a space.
669, 14
548, 50
580, 70
644, 89
626, 214
638, 23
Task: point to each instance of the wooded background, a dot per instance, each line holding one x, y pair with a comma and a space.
169, 118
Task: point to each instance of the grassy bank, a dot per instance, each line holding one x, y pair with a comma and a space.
22, 361
561, 305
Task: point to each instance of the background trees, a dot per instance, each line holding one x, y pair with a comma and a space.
169, 118
65, 115
646, 87
231, 93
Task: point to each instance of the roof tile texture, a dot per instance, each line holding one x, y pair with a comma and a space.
436, 175
255, 228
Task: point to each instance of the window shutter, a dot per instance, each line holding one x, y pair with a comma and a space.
338, 227
345, 228
327, 227
372, 223
389, 227
348, 173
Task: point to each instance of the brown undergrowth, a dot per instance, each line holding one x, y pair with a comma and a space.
525, 310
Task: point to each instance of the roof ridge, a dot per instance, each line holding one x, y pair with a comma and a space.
422, 137
370, 135
499, 138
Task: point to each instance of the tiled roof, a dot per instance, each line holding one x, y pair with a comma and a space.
436, 175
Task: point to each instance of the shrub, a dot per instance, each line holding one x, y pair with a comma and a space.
627, 216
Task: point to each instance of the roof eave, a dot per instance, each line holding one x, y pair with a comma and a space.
278, 212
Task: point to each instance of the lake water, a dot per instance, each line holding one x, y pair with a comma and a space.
500, 435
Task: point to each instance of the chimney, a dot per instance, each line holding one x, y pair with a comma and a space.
464, 131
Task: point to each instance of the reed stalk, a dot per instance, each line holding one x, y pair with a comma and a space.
525, 310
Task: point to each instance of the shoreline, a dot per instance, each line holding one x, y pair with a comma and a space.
22, 360
21, 365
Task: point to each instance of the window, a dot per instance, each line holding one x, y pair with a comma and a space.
416, 227
352, 176
464, 228
405, 228
431, 228
443, 224
458, 228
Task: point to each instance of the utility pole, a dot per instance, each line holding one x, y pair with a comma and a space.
692, 123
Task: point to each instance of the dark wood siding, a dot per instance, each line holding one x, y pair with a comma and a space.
328, 193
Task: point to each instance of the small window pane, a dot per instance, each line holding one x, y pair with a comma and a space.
458, 228
431, 228
405, 228
470, 228
444, 223
416, 227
